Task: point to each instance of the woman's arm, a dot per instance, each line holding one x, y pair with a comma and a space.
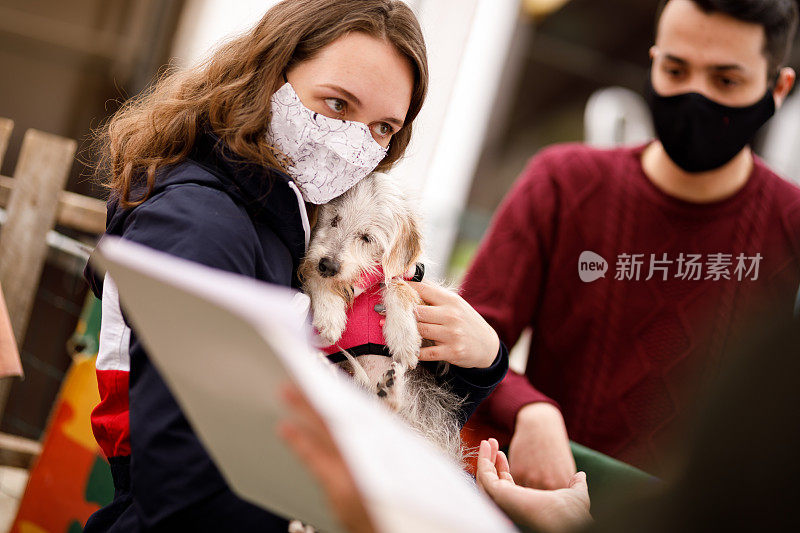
175, 484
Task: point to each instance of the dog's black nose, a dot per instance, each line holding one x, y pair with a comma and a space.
328, 267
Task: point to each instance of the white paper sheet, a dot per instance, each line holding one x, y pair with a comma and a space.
225, 343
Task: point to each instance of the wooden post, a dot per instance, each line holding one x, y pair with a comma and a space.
6, 125
39, 178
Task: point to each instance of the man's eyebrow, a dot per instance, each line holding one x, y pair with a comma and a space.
715, 68
732, 66
350, 96
675, 59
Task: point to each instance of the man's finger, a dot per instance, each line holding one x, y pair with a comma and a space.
304, 416
495, 447
431, 294
485, 472
304, 446
578, 481
502, 464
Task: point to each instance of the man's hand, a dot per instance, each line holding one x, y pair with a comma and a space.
539, 450
542, 510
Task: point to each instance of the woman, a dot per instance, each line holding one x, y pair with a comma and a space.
200, 168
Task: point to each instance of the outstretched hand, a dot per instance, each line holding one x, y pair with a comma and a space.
542, 510
462, 336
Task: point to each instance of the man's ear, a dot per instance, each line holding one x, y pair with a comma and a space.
786, 78
405, 248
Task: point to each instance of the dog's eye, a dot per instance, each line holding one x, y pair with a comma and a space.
335, 221
365, 237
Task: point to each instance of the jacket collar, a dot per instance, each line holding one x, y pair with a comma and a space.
268, 194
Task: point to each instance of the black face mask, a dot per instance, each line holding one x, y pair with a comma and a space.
699, 134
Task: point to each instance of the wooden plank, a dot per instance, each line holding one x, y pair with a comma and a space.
74, 211
6, 126
41, 173
18, 451
81, 213
40, 176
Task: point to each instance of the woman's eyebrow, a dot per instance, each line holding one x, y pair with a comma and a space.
345, 92
396, 121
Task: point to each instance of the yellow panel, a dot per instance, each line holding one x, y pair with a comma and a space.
27, 527
539, 8
79, 390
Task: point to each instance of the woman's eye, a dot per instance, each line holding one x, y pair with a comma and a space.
335, 221
728, 83
364, 237
337, 105
382, 130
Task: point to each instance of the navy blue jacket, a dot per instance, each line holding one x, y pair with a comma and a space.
219, 211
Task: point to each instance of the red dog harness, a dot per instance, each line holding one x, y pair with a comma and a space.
363, 333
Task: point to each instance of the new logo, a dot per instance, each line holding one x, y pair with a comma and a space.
591, 266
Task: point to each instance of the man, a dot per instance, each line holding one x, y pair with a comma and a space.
674, 244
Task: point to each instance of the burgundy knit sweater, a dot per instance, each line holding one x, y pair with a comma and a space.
623, 355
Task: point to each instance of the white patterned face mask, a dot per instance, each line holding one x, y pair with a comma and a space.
327, 156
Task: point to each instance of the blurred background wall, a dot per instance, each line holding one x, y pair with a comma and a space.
65, 66
508, 77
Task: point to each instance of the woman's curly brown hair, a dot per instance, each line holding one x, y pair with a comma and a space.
229, 93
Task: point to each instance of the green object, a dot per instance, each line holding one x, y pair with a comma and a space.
75, 527
100, 485
86, 338
610, 481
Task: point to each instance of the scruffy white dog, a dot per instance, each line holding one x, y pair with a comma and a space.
364, 247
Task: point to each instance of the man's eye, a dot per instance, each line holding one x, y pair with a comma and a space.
728, 83
383, 129
337, 105
335, 221
365, 237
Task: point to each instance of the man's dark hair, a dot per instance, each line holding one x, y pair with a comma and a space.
778, 17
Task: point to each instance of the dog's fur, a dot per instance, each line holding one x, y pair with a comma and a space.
373, 224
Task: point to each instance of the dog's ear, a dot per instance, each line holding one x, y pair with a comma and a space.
405, 249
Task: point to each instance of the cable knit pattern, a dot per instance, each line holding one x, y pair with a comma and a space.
622, 357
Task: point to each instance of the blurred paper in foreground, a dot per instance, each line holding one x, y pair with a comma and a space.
225, 343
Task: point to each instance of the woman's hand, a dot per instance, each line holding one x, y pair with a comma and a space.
309, 438
541, 510
462, 336
539, 449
